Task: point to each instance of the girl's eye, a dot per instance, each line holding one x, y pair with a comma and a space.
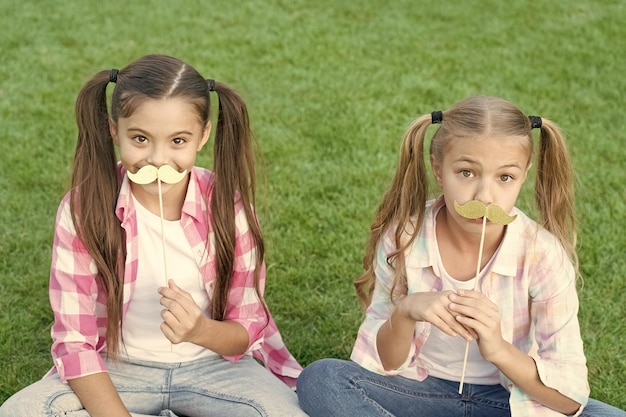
179, 141
466, 173
140, 139
506, 178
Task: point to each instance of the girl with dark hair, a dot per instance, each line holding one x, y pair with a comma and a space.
130, 336
519, 329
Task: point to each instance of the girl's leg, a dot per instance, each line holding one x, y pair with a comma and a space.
219, 388
51, 397
141, 386
336, 388
597, 408
46, 397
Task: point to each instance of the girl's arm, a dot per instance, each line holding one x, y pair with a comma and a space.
183, 322
98, 395
227, 338
394, 340
395, 337
521, 369
477, 312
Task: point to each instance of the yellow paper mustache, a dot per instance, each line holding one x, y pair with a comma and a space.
476, 209
150, 173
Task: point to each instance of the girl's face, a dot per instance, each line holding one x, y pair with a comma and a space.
160, 132
491, 170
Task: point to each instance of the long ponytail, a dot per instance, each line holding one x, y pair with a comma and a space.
404, 205
234, 169
554, 188
93, 196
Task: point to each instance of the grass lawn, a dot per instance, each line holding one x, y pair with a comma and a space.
331, 87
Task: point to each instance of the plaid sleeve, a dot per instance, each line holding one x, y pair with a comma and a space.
365, 351
74, 300
277, 358
244, 305
560, 358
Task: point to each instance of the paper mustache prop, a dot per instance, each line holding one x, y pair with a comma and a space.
476, 209
150, 173
166, 174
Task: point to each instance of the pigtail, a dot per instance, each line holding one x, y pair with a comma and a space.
403, 205
234, 170
93, 197
554, 188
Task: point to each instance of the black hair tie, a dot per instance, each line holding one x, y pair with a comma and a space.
211, 84
113, 75
535, 122
437, 117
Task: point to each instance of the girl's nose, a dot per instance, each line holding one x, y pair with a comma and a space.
483, 193
157, 156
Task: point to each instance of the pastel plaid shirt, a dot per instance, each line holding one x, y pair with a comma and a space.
79, 306
533, 283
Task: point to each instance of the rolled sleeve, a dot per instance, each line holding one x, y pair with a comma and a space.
79, 364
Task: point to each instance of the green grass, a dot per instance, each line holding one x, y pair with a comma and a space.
331, 86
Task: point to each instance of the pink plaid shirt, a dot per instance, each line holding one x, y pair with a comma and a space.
79, 306
533, 283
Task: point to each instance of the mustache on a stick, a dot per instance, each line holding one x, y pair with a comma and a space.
165, 173
476, 209
150, 173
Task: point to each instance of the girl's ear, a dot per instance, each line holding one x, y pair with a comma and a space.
436, 166
113, 130
205, 136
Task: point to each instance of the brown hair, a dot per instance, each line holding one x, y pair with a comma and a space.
96, 183
403, 205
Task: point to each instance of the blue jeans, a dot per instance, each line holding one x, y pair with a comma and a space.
336, 388
205, 387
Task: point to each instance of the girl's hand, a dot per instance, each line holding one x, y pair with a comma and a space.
479, 314
434, 307
182, 317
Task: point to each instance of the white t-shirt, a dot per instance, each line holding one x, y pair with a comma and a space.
443, 355
142, 336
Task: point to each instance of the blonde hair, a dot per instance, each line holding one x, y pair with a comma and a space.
404, 204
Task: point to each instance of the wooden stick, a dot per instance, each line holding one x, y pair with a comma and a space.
480, 256
163, 239
162, 229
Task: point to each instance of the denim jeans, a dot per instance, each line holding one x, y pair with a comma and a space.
205, 387
336, 388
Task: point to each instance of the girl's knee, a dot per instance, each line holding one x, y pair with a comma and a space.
326, 386
318, 374
323, 377
46, 397
597, 408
